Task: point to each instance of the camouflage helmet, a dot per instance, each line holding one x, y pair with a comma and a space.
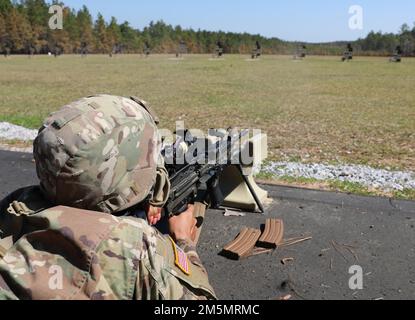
99, 153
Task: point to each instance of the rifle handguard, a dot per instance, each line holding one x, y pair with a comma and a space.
199, 215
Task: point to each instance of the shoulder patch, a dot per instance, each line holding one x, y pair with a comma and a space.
180, 258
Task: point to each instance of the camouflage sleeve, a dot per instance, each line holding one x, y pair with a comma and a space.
159, 279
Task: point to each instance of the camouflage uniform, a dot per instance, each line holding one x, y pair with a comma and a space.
66, 253
100, 154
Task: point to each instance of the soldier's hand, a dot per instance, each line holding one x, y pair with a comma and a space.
183, 226
153, 215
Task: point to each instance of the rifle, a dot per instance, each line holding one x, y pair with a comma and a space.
196, 177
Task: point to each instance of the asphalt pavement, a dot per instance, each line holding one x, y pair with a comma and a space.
376, 234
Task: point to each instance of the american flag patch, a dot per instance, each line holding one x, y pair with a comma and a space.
181, 260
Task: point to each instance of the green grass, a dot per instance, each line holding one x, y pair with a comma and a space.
316, 110
287, 179
335, 185
407, 194
28, 121
352, 188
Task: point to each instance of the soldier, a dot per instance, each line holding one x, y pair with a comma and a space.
31, 51
7, 45
147, 49
7, 52
219, 49
300, 53
182, 49
397, 57
99, 154
303, 51
348, 54
116, 49
256, 53
84, 49
57, 51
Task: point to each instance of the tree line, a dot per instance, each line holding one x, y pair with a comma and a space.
24, 29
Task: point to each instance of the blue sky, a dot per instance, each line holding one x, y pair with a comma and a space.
303, 20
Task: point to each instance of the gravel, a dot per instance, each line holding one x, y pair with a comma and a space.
10, 131
369, 177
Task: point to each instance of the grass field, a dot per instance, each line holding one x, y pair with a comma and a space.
316, 110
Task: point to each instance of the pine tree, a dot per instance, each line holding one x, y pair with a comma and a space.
102, 44
5, 6
114, 34
3, 33
37, 12
84, 21
73, 31
130, 39
19, 31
